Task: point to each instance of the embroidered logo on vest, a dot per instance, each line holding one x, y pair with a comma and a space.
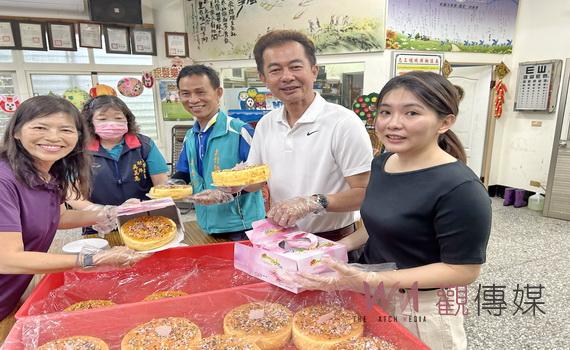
139, 170
216, 160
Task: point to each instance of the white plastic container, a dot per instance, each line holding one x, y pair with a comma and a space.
536, 202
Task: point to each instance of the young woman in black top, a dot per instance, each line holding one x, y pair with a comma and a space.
424, 210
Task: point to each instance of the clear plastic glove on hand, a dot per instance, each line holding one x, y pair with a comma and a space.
115, 257
211, 197
231, 189
106, 218
287, 213
130, 201
354, 277
234, 189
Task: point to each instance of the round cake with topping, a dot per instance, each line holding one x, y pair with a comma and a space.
148, 232
268, 325
248, 175
226, 342
165, 294
365, 343
321, 327
89, 304
171, 333
78, 342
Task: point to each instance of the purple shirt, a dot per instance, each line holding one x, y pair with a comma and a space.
35, 213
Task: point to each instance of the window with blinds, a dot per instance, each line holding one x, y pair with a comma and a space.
44, 84
52, 56
82, 66
142, 106
6, 56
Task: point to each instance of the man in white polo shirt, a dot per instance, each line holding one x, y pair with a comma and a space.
319, 153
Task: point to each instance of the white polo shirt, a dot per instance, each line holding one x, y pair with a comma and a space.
328, 143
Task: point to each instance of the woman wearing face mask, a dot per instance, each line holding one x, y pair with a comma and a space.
126, 164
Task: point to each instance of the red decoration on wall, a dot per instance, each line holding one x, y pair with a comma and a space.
166, 72
500, 90
9, 104
147, 79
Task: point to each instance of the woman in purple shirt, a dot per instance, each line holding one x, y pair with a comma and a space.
41, 150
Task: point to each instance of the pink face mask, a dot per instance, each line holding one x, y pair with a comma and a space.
110, 130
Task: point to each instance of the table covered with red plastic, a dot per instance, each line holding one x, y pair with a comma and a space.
206, 273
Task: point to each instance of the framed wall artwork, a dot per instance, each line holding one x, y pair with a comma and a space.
90, 35
143, 41
172, 108
225, 30
117, 40
61, 36
32, 36
8, 35
176, 44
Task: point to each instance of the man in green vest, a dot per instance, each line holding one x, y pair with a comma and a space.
215, 142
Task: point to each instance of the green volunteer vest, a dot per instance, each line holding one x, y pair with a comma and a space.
222, 152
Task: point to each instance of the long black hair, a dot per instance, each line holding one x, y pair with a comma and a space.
72, 172
437, 93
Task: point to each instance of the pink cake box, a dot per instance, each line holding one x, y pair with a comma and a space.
277, 248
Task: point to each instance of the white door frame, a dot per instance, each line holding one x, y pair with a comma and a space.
559, 145
490, 125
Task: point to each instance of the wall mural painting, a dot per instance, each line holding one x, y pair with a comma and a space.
486, 26
228, 29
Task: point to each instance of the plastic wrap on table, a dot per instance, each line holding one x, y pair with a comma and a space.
182, 269
207, 310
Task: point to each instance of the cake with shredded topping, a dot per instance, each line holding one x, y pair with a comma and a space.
165, 294
365, 343
321, 327
148, 232
89, 304
170, 333
226, 342
266, 324
78, 342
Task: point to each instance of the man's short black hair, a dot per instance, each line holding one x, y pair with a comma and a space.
279, 37
199, 69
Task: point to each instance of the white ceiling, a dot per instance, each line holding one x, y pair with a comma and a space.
75, 6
